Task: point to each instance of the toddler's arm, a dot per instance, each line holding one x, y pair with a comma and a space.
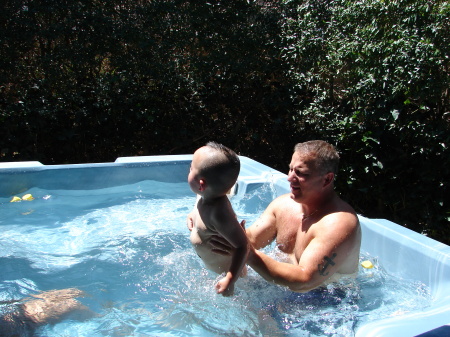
229, 228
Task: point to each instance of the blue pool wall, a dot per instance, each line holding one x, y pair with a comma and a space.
400, 251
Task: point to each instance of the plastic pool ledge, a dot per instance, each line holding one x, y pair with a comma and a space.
400, 251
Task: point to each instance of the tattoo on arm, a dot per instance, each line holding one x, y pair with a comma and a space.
327, 261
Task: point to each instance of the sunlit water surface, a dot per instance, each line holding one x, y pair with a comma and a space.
128, 248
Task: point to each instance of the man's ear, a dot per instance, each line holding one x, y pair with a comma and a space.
328, 179
202, 185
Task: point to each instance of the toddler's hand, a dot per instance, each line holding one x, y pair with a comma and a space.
224, 287
190, 222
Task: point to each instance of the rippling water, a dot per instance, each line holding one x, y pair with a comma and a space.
128, 248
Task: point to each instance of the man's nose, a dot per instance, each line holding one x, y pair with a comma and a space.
290, 176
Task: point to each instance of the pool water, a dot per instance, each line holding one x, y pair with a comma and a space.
128, 248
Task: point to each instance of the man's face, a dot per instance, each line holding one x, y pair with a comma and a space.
305, 180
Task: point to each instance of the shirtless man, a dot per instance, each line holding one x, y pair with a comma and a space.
214, 170
317, 230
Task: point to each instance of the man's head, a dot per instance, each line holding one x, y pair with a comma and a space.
214, 166
312, 170
322, 154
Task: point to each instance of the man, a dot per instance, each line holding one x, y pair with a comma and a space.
317, 230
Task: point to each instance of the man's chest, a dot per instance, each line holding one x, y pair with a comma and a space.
292, 235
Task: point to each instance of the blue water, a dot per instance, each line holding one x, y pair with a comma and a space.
128, 248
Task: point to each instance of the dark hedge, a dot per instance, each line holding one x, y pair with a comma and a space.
92, 80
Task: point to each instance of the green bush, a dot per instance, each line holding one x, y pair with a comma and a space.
91, 80
97, 79
377, 77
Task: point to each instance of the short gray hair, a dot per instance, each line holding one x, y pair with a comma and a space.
325, 156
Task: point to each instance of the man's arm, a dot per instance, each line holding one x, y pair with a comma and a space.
300, 278
264, 230
323, 256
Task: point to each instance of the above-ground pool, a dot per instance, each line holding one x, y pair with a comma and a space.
117, 232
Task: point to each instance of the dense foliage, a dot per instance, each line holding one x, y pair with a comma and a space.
91, 80
378, 74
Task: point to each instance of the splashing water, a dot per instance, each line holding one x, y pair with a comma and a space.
128, 247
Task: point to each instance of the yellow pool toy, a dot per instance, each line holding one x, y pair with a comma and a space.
15, 199
367, 264
27, 197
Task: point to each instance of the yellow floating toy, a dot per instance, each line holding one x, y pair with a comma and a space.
27, 197
15, 199
367, 264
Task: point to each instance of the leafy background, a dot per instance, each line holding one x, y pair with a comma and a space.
92, 80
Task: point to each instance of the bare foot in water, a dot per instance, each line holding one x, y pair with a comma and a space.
48, 307
51, 306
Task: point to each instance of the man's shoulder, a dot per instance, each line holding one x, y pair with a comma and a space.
282, 202
283, 199
341, 219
